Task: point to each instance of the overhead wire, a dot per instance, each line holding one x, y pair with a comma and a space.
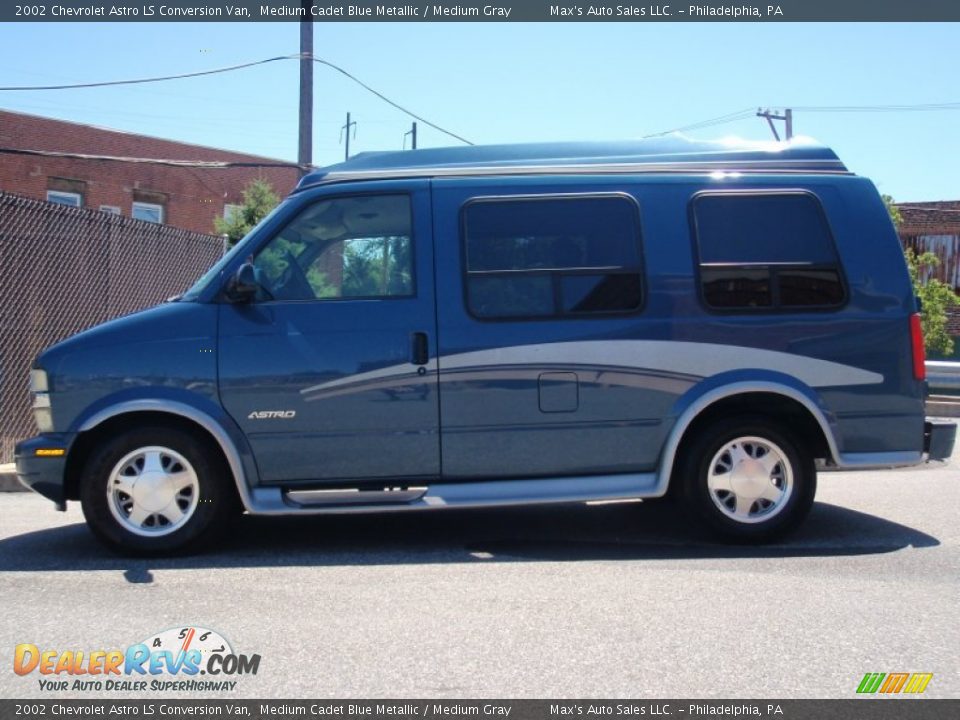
749, 112
719, 120
387, 100
241, 66
710, 122
918, 107
137, 81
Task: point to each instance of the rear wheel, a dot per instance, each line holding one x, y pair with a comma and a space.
157, 490
748, 479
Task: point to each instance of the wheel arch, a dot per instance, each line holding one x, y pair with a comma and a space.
766, 398
138, 412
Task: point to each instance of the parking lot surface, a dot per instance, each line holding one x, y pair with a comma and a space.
617, 600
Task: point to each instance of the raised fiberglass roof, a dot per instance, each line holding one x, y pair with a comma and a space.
670, 154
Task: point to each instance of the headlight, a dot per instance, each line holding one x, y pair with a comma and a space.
40, 388
38, 381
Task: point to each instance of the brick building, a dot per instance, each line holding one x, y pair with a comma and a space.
185, 197
935, 227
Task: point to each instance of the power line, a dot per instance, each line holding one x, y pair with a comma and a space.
749, 112
920, 107
719, 120
231, 68
137, 81
391, 102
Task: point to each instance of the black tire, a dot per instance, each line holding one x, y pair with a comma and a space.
208, 516
693, 468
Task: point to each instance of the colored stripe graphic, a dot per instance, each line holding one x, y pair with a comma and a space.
894, 683
870, 682
918, 682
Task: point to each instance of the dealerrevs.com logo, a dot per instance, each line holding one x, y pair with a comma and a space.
190, 659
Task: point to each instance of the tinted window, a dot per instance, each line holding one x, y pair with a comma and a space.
736, 287
810, 287
543, 234
747, 229
600, 293
771, 251
520, 296
542, 257
355, 247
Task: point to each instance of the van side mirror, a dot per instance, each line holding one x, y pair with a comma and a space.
243, 286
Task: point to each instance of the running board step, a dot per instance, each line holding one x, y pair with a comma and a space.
355, 496
485, 493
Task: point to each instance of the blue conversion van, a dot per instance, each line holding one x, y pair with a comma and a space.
506, 325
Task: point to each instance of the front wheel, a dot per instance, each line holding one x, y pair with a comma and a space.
156, 490
748, 479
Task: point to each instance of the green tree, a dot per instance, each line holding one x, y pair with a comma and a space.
893, 210
259, 199
936, 297
377, 266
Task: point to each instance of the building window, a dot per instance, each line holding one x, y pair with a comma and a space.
66, 191
148, 212
230, 211
552, 256
111, 209
61, 197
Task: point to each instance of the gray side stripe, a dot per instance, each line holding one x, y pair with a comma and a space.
688, 358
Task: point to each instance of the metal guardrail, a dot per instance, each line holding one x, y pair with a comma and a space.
943, 376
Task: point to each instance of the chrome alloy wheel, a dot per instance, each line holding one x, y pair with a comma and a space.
750, 479
153, 491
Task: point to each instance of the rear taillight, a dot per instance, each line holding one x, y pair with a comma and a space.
916, 344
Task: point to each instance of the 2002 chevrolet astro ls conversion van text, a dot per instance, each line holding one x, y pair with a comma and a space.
506, 325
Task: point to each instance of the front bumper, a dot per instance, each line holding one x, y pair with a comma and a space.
938, 439
40, 468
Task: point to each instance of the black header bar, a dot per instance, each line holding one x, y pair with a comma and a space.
496, 11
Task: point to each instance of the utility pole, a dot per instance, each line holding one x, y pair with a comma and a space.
305, 150
413, 137
787, 118
346, 154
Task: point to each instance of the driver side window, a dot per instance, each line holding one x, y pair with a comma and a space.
342, 248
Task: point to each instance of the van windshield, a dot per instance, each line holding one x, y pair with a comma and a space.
239, 249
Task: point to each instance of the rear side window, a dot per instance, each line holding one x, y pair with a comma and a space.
766, 252
550, 257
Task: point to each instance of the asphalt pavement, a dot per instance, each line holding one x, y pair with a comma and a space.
617, 600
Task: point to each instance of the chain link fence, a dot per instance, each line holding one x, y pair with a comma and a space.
64, 269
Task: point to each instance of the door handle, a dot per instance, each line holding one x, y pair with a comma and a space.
420, 349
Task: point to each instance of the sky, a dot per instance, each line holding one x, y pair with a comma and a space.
512, 82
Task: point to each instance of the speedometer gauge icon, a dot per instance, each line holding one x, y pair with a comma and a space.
183, 639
